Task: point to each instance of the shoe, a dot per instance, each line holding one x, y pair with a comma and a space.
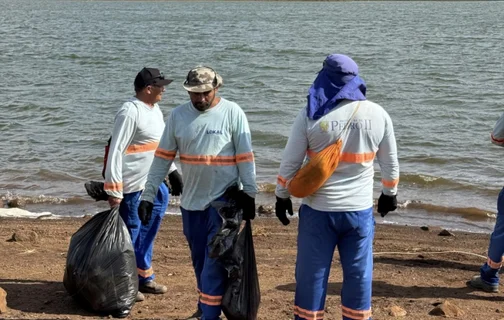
152, 287
197, 315
478, 283
122, 313
139, 297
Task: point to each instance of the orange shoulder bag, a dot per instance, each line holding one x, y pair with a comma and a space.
319, 168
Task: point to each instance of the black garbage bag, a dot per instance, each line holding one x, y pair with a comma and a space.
95, 190
235, 251
221, 245
243, 296
101, 272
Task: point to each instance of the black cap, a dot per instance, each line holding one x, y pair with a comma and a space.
150, 76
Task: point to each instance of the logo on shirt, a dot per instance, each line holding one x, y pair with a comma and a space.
359, 124
324, 126
211, 131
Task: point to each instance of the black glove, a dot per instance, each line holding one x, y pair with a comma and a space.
176, 184
247, 204
145, 211
281, 207
95, 190
386, 204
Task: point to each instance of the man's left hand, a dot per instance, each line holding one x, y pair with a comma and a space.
282, 207
145, 211
386, 204
247, 204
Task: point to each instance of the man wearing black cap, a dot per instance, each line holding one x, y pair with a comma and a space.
138, 126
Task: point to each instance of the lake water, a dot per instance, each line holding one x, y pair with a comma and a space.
436, 67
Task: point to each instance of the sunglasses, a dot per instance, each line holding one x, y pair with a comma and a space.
160, 77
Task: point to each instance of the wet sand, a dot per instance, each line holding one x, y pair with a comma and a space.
409, 272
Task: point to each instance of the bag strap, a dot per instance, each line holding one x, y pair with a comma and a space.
137, 119
352, 117
105, 157
349, 121
138, 115
136, 122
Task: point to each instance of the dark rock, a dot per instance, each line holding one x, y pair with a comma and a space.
446, 233
25, 236
447, 310
265, 210
16, 203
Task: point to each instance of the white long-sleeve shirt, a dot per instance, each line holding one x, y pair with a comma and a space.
497, 136
135, 137
215, 151
370, 135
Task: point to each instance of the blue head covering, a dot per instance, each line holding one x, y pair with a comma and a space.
338, 80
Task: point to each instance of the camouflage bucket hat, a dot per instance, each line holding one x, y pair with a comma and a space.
202, 79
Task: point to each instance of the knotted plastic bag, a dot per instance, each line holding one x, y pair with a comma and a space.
243, 296
221, 245
235, 252
95, 190
100, 271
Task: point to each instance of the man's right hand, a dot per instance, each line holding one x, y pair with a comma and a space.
282, 206
145, 211
113, 201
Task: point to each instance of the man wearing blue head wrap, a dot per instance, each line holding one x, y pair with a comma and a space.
338, 80
340, 213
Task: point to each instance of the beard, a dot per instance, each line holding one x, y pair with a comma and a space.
202, 106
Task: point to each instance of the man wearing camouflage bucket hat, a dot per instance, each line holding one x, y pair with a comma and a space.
213, 139
202, 79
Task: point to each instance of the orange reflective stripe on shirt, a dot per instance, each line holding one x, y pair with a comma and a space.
138, 148
210, 300
390, 183
208, 160
281, 181
245, 157
307, 314
165, 154
357, 157
111, 186
356, 314
349, 157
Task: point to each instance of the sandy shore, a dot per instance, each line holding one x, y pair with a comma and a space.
407, 272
